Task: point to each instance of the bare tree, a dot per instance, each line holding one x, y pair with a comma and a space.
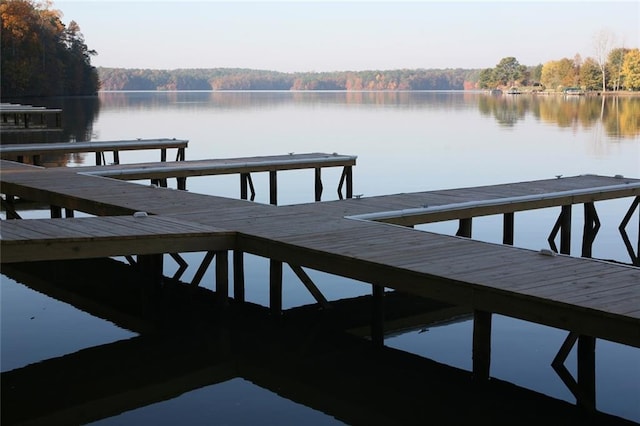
602, 42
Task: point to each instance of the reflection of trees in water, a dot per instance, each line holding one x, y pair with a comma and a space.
227, 100
620, 116
507, 110
82, 112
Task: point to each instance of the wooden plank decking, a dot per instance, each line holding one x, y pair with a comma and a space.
213, 167
82, 238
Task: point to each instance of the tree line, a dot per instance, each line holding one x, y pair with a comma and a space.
43, 57
618, 69
40, 55
248, 79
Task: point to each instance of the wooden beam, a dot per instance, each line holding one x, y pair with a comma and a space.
56, 212
206, 261
238, 276
590, 230
464, 228
222, 277
481, 345
508, 228
587, 372
377, 315
318, 183
565, 230
151, 266
243, 186
273, 187
275, 287
308, 283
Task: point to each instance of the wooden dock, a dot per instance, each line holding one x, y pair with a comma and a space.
34, 151
25, 118
158, 173
589, 298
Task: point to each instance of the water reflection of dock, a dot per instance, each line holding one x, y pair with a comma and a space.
589, 298
306, 357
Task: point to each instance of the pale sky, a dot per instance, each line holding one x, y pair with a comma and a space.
293, 36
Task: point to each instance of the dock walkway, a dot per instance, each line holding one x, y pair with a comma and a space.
35, 150
589, 298
158, 173
24, 118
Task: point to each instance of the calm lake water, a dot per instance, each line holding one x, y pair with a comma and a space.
405, 142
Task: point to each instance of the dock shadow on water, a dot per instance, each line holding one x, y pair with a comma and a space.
190, 341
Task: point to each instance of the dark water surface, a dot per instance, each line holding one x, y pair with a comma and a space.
201, 370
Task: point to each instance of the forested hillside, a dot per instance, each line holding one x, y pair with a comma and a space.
246, 79
40, 55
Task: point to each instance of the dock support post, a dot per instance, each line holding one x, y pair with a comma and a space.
634, 254
238, 255
181, 183
243, 186
349, 172
151, 267
180, 154
68, 213
10, 208
318, 184
56, 212
246, 185
464, 228
347, 175
309, 284
563, 225
565, 230
587, 372
583, 389
182, 265
206, 261
100, 160
222, 277
273, 187
377, 320
591, 228
238, 276
507, 228
481, 345
275, 287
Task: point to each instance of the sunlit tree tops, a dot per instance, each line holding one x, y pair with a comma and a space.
40, 55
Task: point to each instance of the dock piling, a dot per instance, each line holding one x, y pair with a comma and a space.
481, 345
275, 287
377, 322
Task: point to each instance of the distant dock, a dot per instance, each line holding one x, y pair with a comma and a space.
24, 118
